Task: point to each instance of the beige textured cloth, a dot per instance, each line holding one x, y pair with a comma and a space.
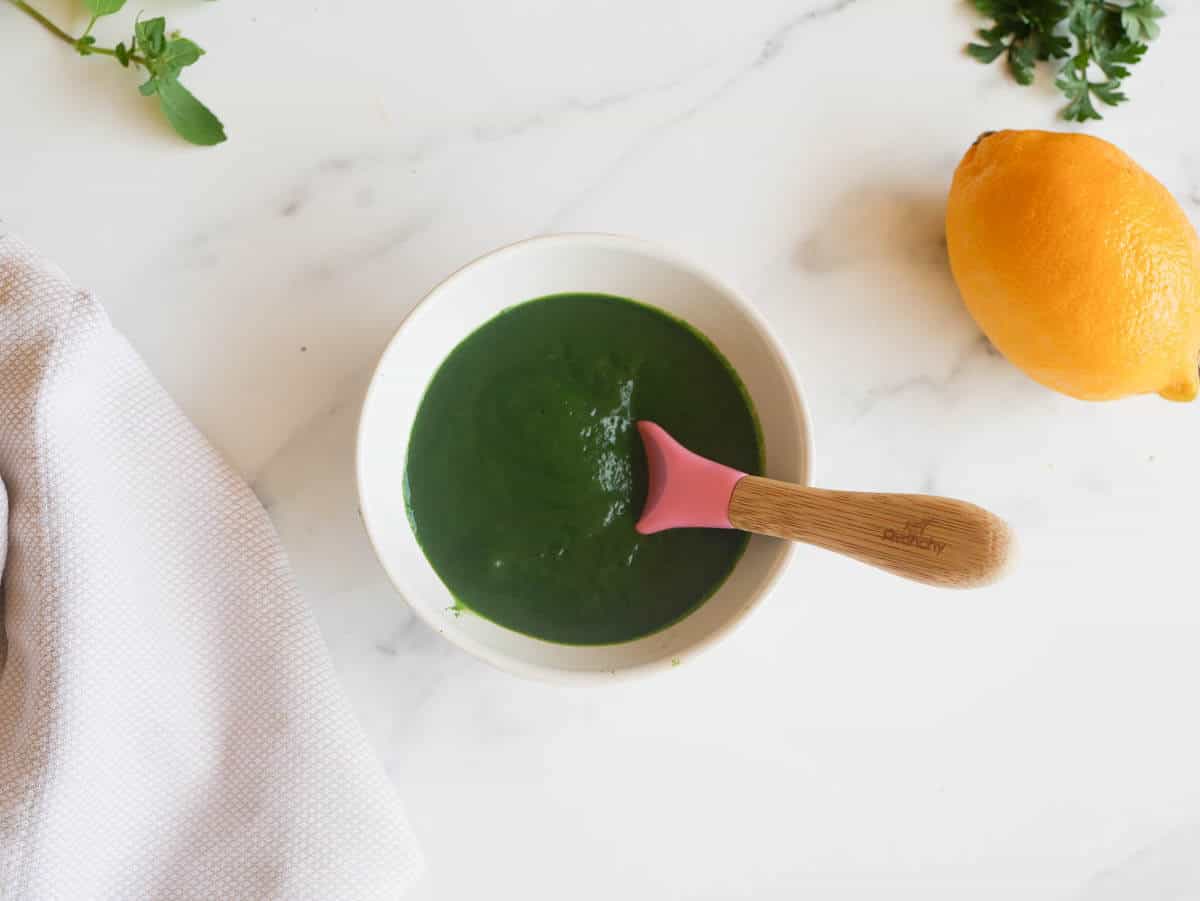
170, 726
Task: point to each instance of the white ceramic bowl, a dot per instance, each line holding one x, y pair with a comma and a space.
558, 264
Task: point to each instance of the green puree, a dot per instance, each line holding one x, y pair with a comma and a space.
526, 474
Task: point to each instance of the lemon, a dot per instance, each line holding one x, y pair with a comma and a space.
1078, 265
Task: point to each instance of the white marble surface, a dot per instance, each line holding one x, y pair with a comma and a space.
859, 737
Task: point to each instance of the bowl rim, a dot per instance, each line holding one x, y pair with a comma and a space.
542, 672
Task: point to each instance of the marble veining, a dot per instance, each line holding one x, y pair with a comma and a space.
938, 384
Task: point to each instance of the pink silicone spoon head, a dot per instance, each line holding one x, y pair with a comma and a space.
685, 490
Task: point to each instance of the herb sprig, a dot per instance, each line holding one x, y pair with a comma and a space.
1098, 40
161, 54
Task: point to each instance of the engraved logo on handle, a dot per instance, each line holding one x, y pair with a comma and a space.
914, 536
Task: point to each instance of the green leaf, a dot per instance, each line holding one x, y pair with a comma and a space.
122, 54
1109, 91
1113, 60
1138, 20
1089, 35
1021, 60
1050, 46
988, 52
985, 53
151, 37
1085, 21
83, 45
103, 7
178, 53
149, 86
1081, 109
1025, 30
188, 116
1078, 92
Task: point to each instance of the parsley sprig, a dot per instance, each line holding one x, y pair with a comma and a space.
162, 55
1097, 40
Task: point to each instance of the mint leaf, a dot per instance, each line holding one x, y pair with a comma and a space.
151, 36
178, 53
188, 116
103, 7
163, 55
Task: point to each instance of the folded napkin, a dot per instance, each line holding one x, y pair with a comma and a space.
170, 726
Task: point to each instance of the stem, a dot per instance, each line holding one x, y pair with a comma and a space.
59, 33
42, 20
88, 30
109, 51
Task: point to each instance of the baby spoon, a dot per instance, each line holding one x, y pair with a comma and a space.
936, 540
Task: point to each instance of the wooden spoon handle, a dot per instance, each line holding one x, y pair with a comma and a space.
935, 540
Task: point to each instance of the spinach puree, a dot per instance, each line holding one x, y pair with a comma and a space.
525, 472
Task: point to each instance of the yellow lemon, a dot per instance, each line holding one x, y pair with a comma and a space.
1077, 264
